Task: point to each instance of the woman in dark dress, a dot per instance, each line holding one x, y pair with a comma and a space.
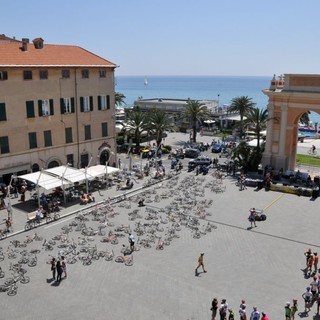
214, 308
59, 271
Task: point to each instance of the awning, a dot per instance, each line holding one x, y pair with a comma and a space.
44, 180
70, 174
100, 170
15, 169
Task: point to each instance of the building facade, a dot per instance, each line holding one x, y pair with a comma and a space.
56, 107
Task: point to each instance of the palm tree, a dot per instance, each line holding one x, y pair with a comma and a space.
241, 105
158, 122
119, 99
135, 124
257, 118
196, 111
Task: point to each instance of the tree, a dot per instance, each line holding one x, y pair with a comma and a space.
135, 124
257, 118
196, 111
241, 105
158, 123
119, 99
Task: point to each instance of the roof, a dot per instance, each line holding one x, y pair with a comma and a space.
12, 55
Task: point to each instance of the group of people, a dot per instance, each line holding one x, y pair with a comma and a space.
312, 293
58, 267
226, 313
87, 198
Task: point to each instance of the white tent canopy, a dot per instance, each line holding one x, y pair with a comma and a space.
45, 180
100, 170
64, 176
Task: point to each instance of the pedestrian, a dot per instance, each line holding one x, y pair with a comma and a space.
231, 314
315, 262
294, 308
223, 309
287, 311
64, 265
242, 311
53, 268
200, 263
23, 193
119, 163
59, 271
214, 308
255, 314
310, 264
131, 242
252, 217
307, 255
307, 299
264, 316
314, 287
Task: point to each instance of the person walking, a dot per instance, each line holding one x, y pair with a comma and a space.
294, 308
315, 262
200, 263
53, 268
287, 311
255, 314
264, 316
131, 242
307, 254
64, 265
59, 271
242, 311
223, 309
252, 217
214, 308
307, 299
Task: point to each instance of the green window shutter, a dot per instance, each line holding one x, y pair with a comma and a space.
33, 140
72, 105
40, 108
3, 116
62, 108
99, 102
91, 103
4, 145
104, 129
51, 107
81, 104
30, 109
108, 102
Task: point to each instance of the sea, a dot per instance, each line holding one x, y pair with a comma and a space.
220, 88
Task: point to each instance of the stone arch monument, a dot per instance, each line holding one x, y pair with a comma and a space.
290, 96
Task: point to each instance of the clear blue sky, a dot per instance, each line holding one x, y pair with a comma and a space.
178, 37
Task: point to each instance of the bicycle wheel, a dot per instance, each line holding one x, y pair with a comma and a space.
9, 282
119, 259
129, 262
25, 279
12, 291
114, 241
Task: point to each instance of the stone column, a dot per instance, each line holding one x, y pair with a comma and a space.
269, 129
283, 131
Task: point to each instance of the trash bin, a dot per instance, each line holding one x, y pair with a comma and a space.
315, 192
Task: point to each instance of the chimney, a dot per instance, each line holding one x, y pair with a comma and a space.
25, 42
38, 43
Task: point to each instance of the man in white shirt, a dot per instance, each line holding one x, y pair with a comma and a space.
255, 314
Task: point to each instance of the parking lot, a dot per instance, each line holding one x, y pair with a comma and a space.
262, 265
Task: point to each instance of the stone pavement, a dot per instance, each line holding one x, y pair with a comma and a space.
262, 265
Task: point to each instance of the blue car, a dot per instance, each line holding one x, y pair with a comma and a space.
217, 147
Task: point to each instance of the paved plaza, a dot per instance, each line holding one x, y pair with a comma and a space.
263, 265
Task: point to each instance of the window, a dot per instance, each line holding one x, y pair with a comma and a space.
4, 145
104, 129
85, 73
47, 138
3, 115
67, 105
84, 160
68, 132
65, 73
70, 160
102, 73
86, 104
43, 74
103, 102
30, 109
87, 132
3, 75
45, 107
27, 75
33, 140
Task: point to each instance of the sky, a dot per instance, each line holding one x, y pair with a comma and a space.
178, 37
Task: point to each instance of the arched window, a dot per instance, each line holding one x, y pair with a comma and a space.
35, 167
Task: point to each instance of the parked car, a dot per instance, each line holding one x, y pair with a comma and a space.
202, 160
217, 147
191, 153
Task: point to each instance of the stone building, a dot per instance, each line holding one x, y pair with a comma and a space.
56, 107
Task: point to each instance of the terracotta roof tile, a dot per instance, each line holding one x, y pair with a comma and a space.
12, 55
